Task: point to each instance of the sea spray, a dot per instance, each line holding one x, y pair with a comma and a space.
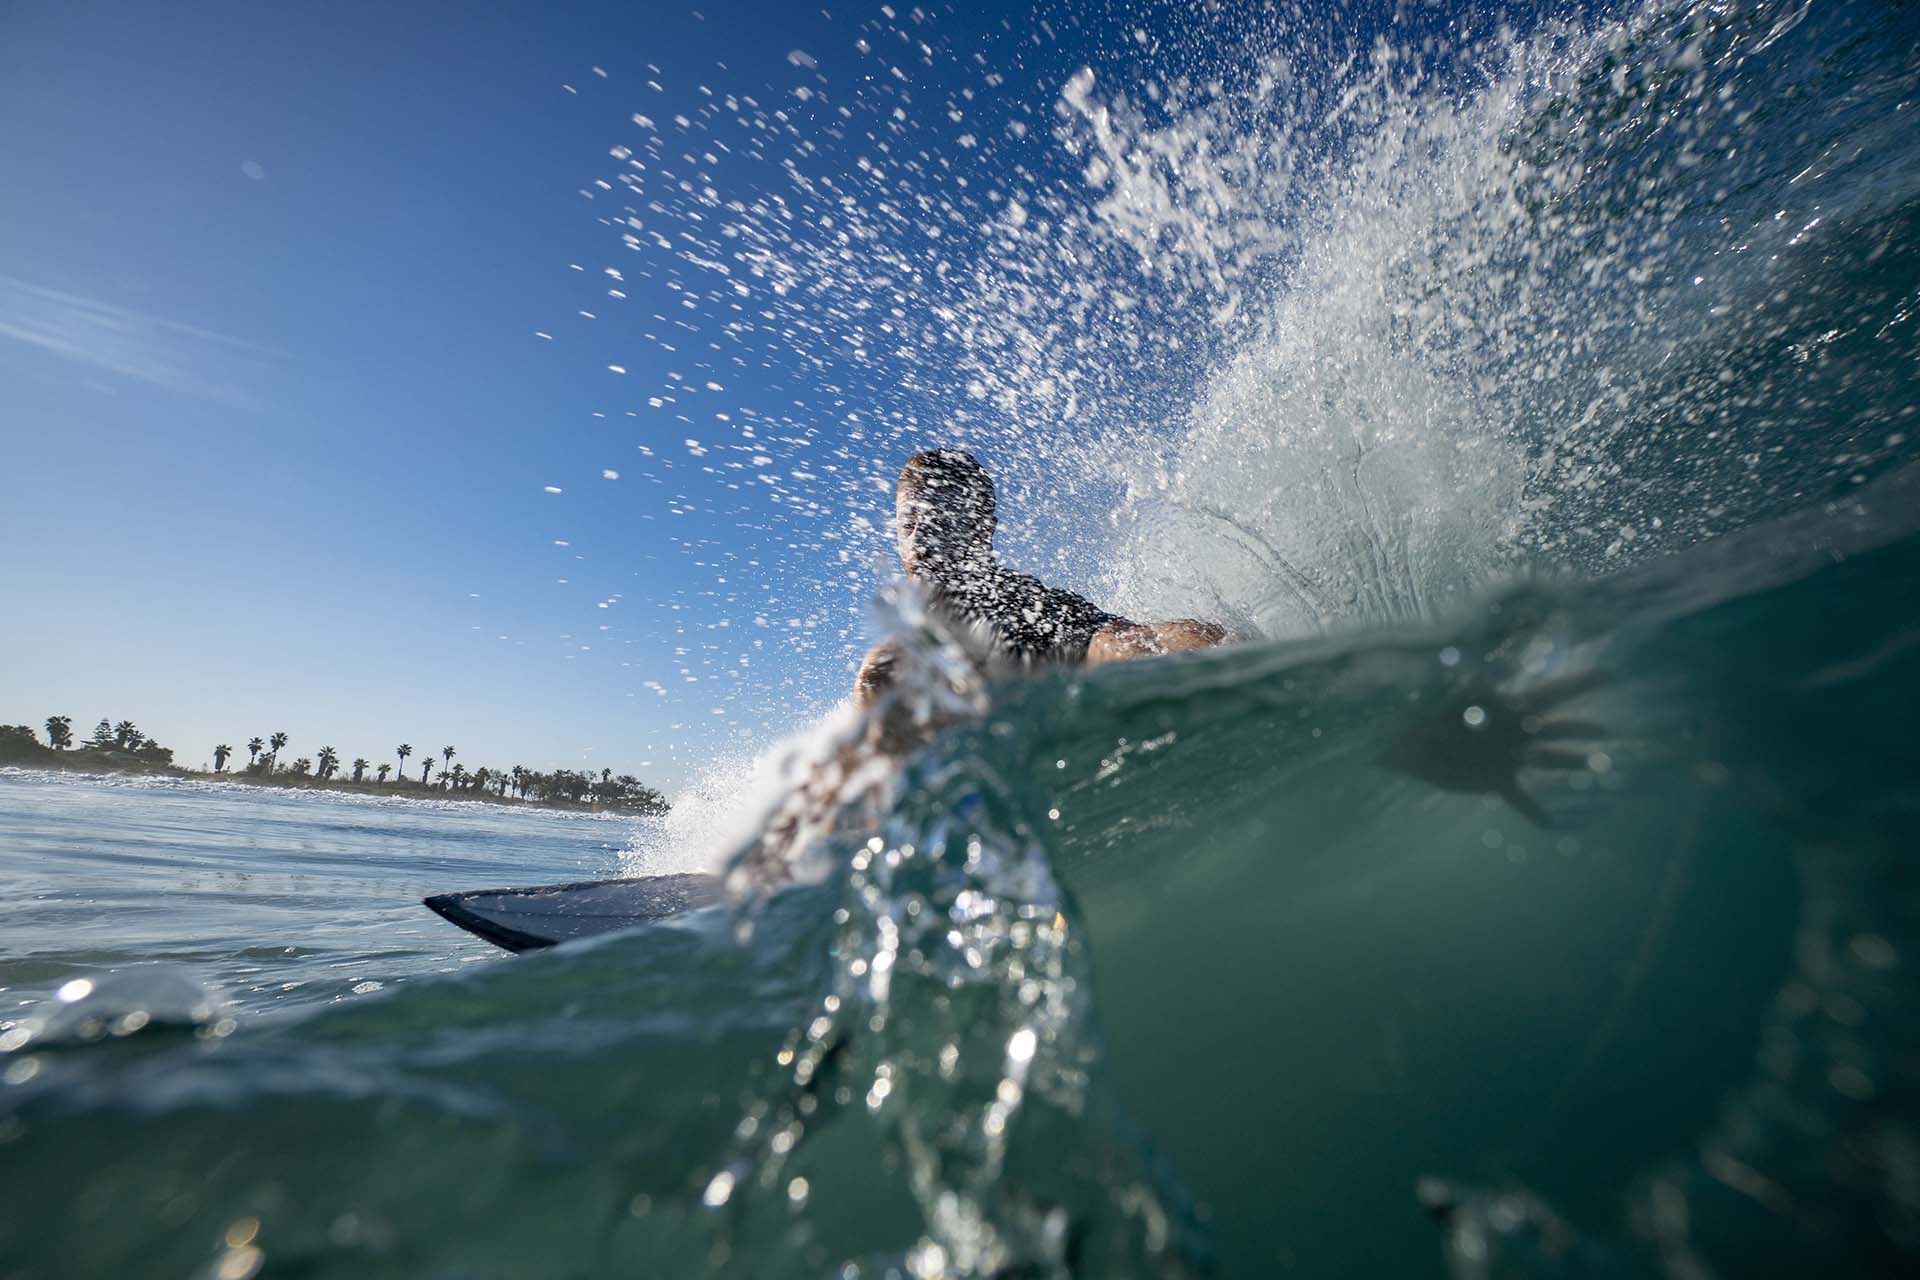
1498, 309
1292, 320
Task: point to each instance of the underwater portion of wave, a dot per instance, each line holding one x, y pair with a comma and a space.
1575, 936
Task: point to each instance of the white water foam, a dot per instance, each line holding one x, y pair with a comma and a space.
730, 801
1343, 461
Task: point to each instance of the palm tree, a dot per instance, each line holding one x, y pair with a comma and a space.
59, 732
403, 751
359, 768
302, 767
220, 754
276, 742
426, 769
381, 773
329, 761
459, 771
253, 750
480, 777
448, 752
126, 736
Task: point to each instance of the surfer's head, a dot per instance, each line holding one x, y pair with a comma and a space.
943, 512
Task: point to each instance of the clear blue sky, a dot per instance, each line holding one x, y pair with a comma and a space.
279, 427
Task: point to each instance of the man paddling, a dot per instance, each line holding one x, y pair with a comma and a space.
944, 522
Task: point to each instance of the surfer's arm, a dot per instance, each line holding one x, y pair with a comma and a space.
876, 673
1120, 640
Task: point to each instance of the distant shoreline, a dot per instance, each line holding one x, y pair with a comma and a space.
124, 764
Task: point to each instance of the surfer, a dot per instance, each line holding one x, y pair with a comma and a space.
944, 526
944, 523
1516, 741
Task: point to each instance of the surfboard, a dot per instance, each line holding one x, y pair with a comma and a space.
526, 919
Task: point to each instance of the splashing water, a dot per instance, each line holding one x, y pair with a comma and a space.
1301, 324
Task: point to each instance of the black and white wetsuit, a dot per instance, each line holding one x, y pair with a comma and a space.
1022, 618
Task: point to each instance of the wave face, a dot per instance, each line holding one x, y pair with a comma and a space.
1535, 896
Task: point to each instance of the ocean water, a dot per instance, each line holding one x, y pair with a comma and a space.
1034, 1025
281, 900
1530, 892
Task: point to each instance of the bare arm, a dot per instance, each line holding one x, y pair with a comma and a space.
876, 673
1115, 642
1120, 641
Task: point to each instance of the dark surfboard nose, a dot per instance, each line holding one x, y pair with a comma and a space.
451, 907
525, 919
